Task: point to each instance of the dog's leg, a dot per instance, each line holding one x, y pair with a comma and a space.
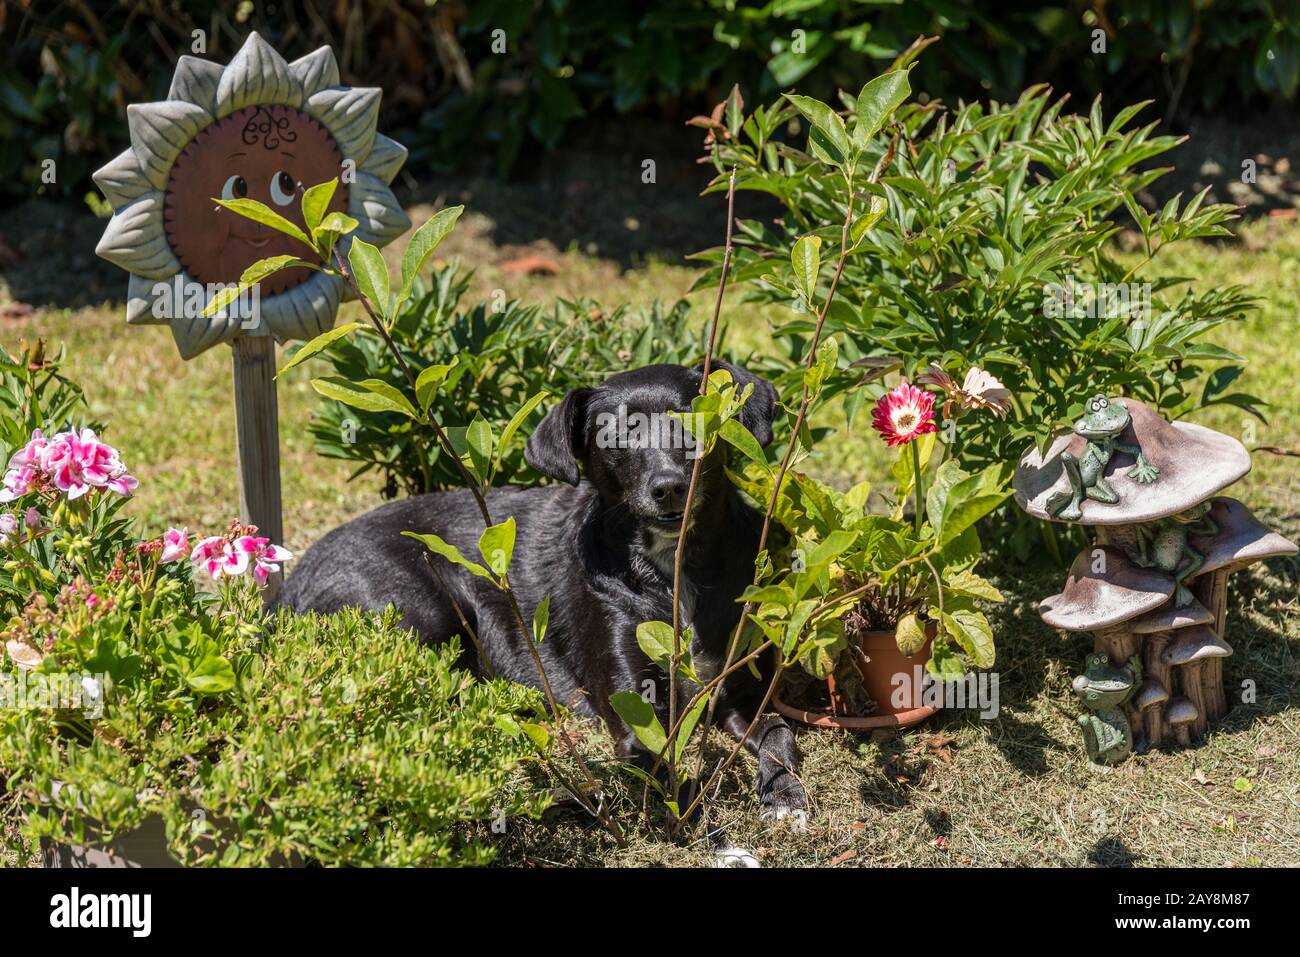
780, 792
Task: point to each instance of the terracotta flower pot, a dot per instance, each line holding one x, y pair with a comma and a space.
884, 663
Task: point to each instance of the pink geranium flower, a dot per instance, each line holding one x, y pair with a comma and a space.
903, 414
176, 544
231, 556
18, 482
217, 556
8, 528
29, 454
79, 461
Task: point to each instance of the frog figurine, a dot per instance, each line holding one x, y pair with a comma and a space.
1163, 545
1104, 421
1103, 688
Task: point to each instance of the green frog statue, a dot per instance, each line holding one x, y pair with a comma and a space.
1103, 689
1163, 545
1104, 422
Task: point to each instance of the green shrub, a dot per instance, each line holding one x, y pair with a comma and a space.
505, 353
564, 64
985, 217
342, 741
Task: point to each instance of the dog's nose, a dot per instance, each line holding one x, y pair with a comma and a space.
668, 491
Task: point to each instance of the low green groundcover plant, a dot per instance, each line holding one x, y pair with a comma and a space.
140, 678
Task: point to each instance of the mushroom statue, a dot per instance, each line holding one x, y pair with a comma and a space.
1152, 590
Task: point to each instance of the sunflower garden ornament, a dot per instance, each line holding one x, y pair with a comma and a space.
257, 128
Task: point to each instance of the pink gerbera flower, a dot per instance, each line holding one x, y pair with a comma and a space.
904, 413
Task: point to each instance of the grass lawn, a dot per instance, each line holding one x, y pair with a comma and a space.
956, 791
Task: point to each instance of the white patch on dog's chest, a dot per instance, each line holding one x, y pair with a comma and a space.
662, 553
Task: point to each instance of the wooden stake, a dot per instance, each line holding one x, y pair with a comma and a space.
257, 431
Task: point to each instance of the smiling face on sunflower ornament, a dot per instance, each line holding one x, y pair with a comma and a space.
267, 153
261, 129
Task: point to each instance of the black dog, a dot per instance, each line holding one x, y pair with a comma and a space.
602, 546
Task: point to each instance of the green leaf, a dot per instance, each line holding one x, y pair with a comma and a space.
910, 635
322, 341
315, 202
877, 102
965, 582
212, 675
639, 715
967, 501
371, 274
480, 444
422, 245
497, 546
971, 630
944, 663
542, 618
449, 552
337, 224
806, 259
518, 418
369, 395
250, 277
687, 727
741, 439
261, 213
430, 380
536, 733
862, 225
655, 638
828, 135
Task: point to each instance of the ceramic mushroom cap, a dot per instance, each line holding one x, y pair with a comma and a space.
1093, 600
1180, 711
1150, 694
1195, 644
1242, 540
1194, 462
1171, 617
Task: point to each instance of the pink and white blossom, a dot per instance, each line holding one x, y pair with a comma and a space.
79, 461
74, 462
222, 557
176, 544
18, 482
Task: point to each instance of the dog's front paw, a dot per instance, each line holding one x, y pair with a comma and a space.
784, 799
734, 857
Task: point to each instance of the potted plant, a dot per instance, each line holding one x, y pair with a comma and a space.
866, 603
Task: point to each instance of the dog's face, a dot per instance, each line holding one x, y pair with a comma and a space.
632, 452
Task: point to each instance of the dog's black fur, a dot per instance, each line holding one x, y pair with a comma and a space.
602, 546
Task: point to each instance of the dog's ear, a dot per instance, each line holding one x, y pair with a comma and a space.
760, 407
559, 442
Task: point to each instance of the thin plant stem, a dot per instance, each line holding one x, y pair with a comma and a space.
920, 498
680, 554
886, 160
444, 440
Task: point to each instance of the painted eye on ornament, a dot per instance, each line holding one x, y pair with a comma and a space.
283, 188
236, 188
1103, 403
